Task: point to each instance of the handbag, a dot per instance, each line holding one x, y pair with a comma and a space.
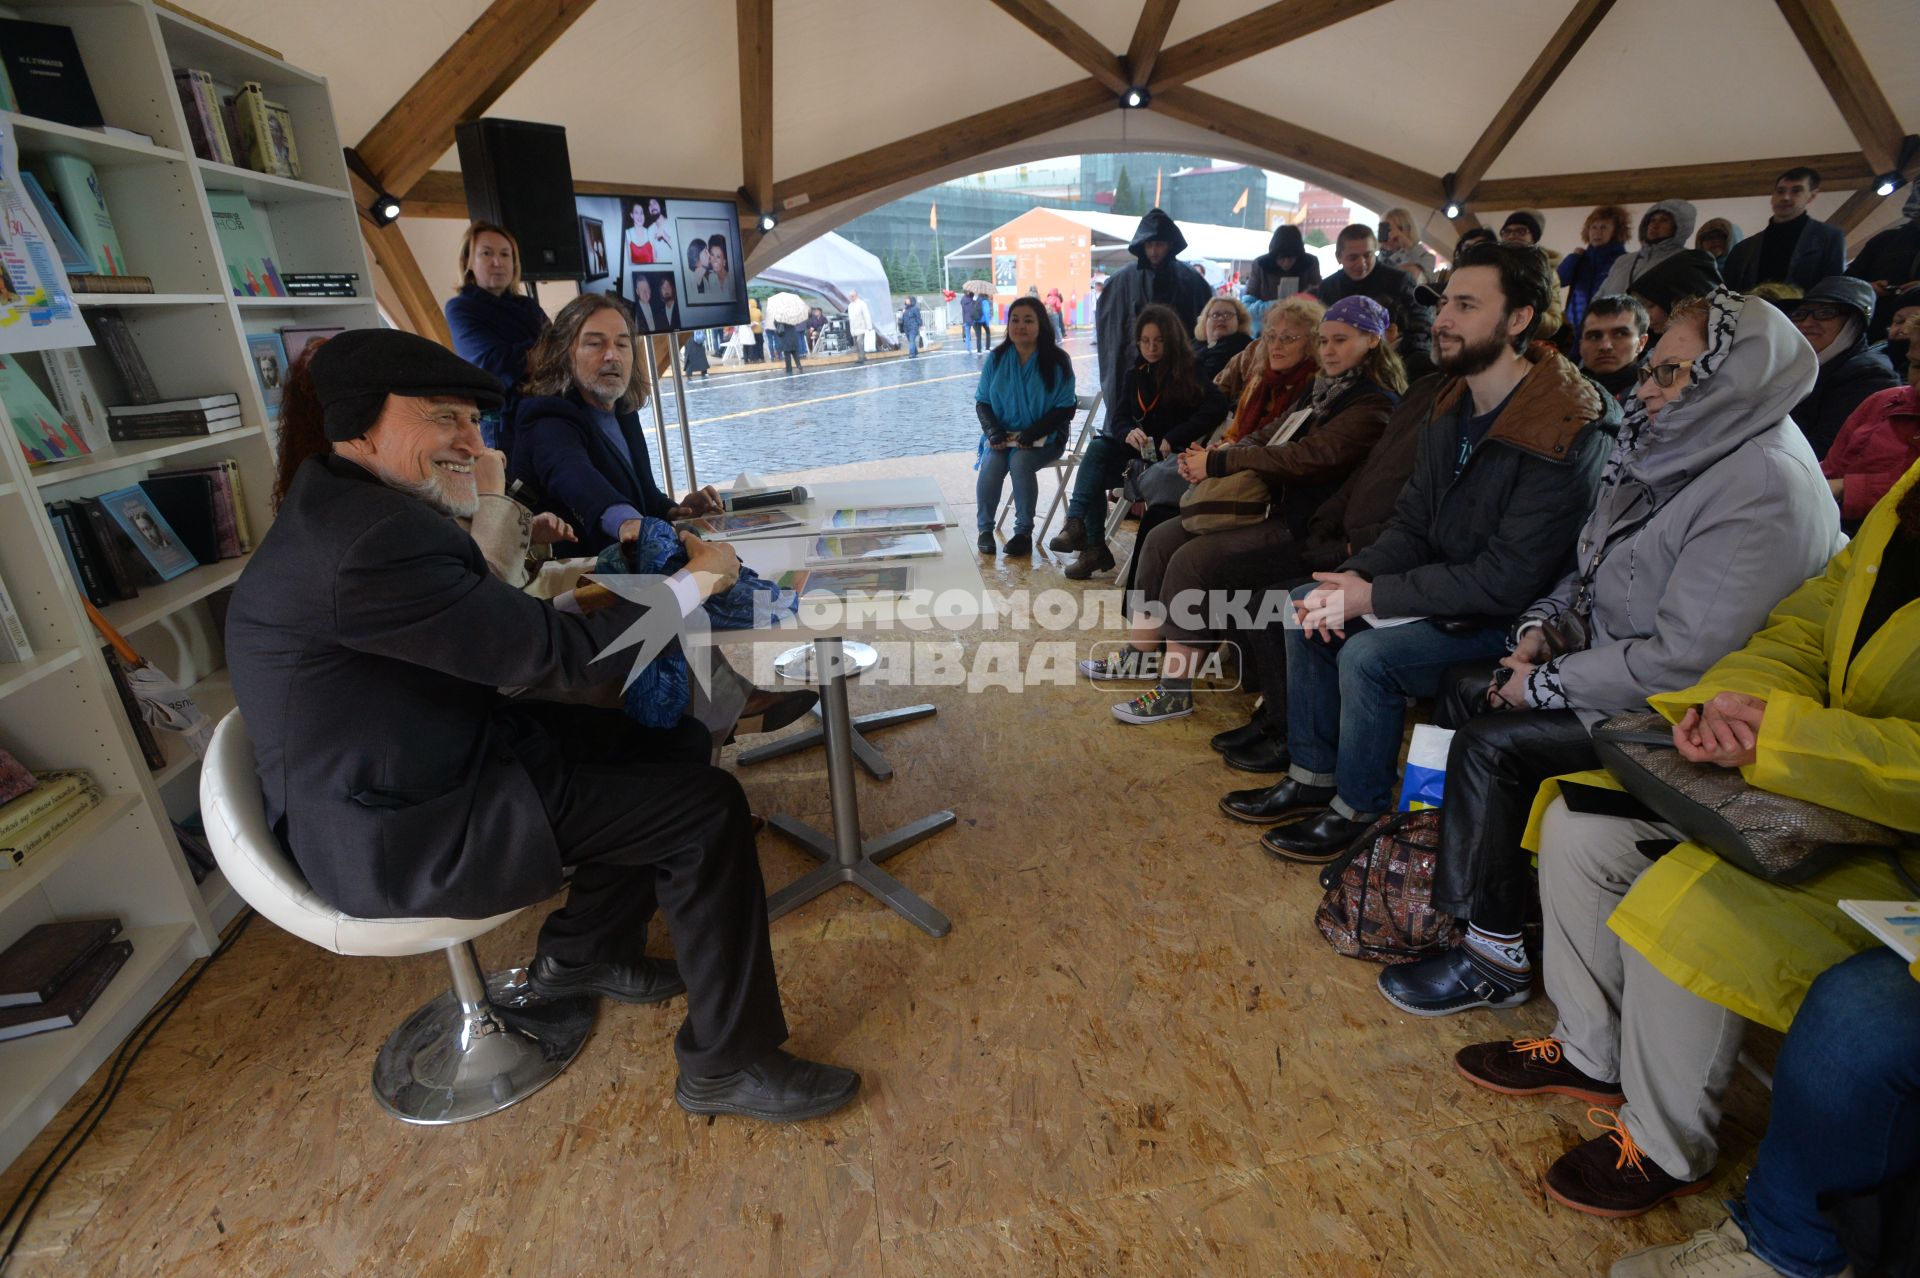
1155, 483
1220, 502
1379, 894
1768, 835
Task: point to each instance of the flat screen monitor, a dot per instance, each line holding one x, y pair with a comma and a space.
676, 262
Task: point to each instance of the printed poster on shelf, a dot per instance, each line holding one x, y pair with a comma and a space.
37, 312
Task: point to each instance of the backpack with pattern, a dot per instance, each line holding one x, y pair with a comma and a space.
1379, 901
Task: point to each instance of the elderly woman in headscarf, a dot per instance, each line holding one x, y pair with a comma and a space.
1711, 509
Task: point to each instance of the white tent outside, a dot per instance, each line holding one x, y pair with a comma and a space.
834, 267
1112, 232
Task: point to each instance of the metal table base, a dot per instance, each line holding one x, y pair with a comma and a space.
863, 750
848, 858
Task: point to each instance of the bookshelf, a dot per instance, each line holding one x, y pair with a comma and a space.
59, 708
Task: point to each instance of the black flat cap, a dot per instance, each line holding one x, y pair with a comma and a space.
354, 371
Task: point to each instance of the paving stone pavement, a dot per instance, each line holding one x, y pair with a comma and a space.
771, 422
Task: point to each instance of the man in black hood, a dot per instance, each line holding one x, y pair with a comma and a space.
1154, 276
1285, 262
1361, 272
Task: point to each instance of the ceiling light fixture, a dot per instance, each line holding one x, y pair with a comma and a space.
1886, 184
385, 209
1134, 99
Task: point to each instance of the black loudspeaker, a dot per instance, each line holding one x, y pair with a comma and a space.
517, 174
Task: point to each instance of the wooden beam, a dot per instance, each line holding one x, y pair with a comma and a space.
1859, 206
1533, 86
1148, 35
1249, 36
465, 80
1289, 142
1730, 180
1836, 59
419, 305
936, 148
754, 21
1070, 38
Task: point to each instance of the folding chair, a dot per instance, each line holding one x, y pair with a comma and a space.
1062, 466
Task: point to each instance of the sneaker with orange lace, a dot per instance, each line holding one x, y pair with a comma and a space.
1532, 1067
1612, 1176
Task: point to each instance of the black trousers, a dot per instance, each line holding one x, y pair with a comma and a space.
1495, 766
1263, 657
646, 822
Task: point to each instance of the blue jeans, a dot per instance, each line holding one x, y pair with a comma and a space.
1101, 467
1347, 701
1024, 464
1846, 1110
913, 343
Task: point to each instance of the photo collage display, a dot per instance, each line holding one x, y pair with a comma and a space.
677, 263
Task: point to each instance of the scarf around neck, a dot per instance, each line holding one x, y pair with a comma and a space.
1327, 389
1268, 397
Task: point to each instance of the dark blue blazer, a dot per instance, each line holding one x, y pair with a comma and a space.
495, 333
560, 452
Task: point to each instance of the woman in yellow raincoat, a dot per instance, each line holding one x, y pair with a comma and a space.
1823, 704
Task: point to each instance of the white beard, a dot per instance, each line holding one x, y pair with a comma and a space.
438, 490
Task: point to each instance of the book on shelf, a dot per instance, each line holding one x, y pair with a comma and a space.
84, 553
268, 353
49, 792
291, 278
7, 101
75, 997
1895, 924
73, 393
15, 848
150, 750
850, 548
300, 338
882, 518
173, 423
856, 579
265, 140
13, 632
149, 531
190, 832
229, 502
15, 780
74, 258
111, 333
45, 436
38, 965
246, 245
206, 124
76, 186
286, 151
88, 282
46, 74
186, 503
124, 567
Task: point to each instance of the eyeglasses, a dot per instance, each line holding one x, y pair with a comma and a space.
1820, 313
1278, 338
1669, 373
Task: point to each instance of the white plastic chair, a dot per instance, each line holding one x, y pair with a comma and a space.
473, 1051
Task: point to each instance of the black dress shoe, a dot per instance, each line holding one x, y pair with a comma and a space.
650, 980
1269, 803
777, 1088
1268, 754
769, 710
1314, 841
1458, 980
1019, 546
1248, 733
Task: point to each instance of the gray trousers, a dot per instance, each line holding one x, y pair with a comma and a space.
1672, 1050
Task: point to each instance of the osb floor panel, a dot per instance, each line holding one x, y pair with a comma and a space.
1133, 1055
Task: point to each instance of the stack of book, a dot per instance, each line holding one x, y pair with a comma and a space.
169, 523
320, 283
240, 128
87, 282
53, 974
206, 415
36, 818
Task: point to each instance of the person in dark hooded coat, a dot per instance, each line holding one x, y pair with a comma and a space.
1834, 317
1285, 262
1153, 276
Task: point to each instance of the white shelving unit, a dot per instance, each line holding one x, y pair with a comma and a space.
59, 709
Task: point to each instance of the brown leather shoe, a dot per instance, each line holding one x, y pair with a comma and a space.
1531, 1067
1611, 1176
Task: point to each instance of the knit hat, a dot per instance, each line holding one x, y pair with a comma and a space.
1688, 273
355, 371
1359, 312
1529, 218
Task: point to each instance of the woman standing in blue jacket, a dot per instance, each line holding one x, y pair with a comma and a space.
1025, 403
494, 322
1603, 238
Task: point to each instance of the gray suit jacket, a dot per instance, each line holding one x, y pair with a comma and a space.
1820, 252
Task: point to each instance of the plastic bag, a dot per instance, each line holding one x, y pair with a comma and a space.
1426, 780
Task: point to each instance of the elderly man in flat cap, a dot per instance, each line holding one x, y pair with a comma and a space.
367, 641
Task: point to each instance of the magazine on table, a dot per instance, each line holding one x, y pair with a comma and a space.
852, 579
865, 547
745, 523
883, 518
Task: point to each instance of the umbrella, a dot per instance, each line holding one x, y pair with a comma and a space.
977, 286
784, 308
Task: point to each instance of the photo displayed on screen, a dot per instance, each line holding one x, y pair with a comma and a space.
677, 263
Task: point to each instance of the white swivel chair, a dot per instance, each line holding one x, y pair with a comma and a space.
476, 1049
